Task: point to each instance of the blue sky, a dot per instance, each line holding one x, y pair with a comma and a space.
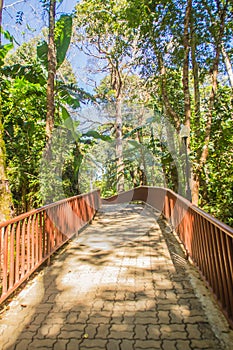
33, 20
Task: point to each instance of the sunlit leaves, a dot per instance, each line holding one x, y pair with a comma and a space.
63, 32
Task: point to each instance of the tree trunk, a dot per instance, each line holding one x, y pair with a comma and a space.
168, 108
187, 104
197, 98
1, 8
202, 157
142, 165
52, 62
119, 147
228, 65
5, 194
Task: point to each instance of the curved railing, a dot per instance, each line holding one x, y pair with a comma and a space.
208, 242
31, 238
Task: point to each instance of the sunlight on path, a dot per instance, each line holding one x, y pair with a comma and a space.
121, 284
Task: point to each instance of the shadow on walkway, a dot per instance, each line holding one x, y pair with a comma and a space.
122, 284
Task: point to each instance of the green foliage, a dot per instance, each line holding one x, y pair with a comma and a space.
4, 49
24, 104
63, 32
217, 179
146, 38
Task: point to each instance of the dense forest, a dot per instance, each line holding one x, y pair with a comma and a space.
156, 108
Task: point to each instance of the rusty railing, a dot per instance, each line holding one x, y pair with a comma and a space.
31, 238
208, 242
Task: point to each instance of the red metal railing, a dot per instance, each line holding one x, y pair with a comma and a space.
31, 238
208, 242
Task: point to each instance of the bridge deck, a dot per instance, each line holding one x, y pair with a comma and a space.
122, 284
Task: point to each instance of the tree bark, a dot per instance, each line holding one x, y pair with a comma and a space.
209, 117
1, 9
228, 65
142, 165
52, 62
187, 104
169, 110
119, 147
195, 67
117, 84
5, 193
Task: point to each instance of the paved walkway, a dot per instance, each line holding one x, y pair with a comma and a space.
121, 285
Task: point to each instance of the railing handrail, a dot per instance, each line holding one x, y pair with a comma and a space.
208, 242
226, 228
40, 209
28, 240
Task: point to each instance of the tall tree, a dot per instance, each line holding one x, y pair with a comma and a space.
217, 30
102, 33
167, 32
5, 194
52, 63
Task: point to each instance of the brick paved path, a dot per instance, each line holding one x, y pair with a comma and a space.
120, 285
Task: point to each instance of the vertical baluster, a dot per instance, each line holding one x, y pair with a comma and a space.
33, 240
44, 235
5, 260
1, 257
228, 285
18, 250
201, 246
36, 230
23, 248
210, 255
224, 294
217, 288
229, 244
28, 242
12, 256
195, 240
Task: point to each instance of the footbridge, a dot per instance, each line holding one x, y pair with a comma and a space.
145, 269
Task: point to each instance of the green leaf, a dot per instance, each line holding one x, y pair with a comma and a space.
132, 132
69, 123
63, 34
42, 53
96, 135
4, 49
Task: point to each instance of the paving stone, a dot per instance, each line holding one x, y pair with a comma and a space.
205, 344
169, 345
148, 344
145, 320
193, 331
22, 345
113, 344
41, 344
127, 345
91, 330
93, 343
183, 344
102, 331
163, 317
140, 331
28, 335
70, 334
73, 327
153, 332
73, 344
61, 344
122, 328
121, 335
